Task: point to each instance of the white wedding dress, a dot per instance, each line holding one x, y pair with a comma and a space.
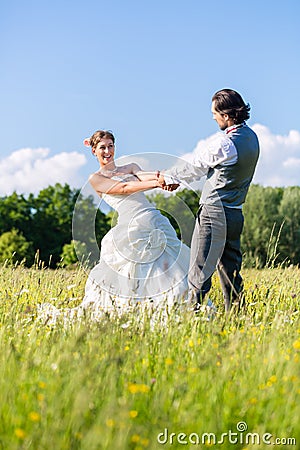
141, 257
141, 260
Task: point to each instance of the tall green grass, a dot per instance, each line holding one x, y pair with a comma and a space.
126, 383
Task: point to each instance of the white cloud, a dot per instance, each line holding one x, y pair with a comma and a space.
279, 160
30, 170
292, 163
141, 160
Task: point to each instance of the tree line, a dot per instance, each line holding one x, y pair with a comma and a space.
40, 227
43, 226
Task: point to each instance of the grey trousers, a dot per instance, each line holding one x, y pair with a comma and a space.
216, 246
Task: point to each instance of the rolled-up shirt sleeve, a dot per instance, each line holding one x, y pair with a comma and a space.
219, 150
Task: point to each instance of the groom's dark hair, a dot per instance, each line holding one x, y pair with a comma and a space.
228, 101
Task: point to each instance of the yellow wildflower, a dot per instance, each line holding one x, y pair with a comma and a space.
110, 423
296, 344
20, 433
135, 438
133, 414
145, 442
169, 361
34, 416
144, 388
135, 388
40, 397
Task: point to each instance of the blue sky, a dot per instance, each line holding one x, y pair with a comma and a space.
147, 71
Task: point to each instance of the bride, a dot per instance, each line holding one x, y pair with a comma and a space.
141, 259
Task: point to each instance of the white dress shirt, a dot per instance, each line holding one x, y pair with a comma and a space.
219, 150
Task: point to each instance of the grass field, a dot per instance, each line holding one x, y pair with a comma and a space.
232, 382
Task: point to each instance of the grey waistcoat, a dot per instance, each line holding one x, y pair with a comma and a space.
230, 184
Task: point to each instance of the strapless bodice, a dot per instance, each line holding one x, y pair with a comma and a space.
127, 203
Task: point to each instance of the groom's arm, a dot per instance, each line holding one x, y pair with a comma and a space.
219, 150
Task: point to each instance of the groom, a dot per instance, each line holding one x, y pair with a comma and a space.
229, 163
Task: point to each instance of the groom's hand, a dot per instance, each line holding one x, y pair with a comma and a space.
170, 187
164, 186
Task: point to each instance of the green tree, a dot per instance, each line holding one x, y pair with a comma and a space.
15, 248
73, 253
89, 225
289, 209
262, 226
52, 221
16, 212
47, 220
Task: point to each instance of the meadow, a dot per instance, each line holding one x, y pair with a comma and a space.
126, 383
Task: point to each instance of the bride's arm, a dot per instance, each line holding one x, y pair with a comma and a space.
147, 176
104, 185
143, 175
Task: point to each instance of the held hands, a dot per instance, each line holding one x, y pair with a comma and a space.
170, 187
162, 182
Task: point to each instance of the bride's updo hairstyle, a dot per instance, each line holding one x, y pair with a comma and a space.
94, 140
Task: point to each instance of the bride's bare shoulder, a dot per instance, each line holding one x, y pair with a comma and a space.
133, 168
130, 168
96, 175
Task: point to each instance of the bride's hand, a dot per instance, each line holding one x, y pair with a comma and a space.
161, 179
